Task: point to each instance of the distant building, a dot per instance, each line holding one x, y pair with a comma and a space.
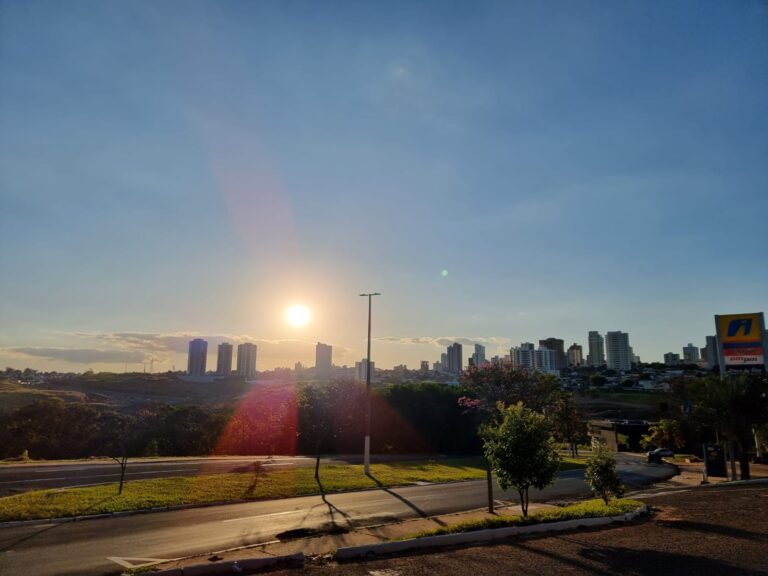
690, 354
246, 360
361, 369
198, 356
596, 356
224, 359
558, 346
618, 351
455, 358
710, 349
575, 355
323, 358
671, 359
444, 362
525, 357
424, 366
478, 358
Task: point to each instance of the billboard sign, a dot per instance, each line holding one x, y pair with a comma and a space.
740, 338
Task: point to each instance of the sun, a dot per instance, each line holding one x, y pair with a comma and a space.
297, 316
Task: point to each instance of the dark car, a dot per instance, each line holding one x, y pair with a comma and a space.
655, 456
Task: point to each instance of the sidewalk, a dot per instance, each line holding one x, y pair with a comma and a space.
328, 543
692, 473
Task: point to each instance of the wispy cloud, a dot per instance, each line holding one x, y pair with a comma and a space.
79, 355
161, 345
443, 341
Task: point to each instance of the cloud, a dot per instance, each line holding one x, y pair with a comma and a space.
444, 341
80, 355
160, 345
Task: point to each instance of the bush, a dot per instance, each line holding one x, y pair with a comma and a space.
601, 474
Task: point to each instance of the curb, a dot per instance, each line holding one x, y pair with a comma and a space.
234, 567
479, 536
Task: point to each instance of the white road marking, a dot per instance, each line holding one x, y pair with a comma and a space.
266, 515
129, 562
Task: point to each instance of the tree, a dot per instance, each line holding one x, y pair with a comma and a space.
735, 405
493, 383
521, 451
664, 434
567, 421
601, 474
327, 413
598, 380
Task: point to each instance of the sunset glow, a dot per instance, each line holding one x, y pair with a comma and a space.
298, 316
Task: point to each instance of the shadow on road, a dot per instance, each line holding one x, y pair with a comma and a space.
15, 543
712, 529
404, 500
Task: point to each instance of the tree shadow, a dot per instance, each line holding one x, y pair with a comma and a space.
712, 529
404, 500
333, 510
608, 560
258, 469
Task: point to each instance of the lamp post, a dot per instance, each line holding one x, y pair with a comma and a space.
367, 448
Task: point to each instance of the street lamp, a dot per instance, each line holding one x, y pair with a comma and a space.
367, 449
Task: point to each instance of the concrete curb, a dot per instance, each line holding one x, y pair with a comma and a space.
234, 567
479, 536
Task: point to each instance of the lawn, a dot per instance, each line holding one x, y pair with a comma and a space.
256, 485
588, 509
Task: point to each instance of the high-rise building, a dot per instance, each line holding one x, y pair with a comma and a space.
224, 359
711, 351
361, 369
525, 357
198, 356
558, 346
596, 356
444, 362
671, 359
690, 354
455, 358
575, 355
323, 358
424, 366
478, 358
246, 360
618, 351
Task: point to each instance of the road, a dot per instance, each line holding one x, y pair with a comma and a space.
105, 546
22, 478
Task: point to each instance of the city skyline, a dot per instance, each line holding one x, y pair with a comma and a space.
501, 173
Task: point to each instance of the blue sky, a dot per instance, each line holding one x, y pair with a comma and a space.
172, 169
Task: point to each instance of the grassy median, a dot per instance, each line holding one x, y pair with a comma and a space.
587, 509
255, 485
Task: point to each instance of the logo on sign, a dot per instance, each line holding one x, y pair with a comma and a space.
735, 325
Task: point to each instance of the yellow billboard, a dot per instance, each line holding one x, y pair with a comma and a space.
740, 338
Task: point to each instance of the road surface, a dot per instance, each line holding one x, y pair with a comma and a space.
107, 546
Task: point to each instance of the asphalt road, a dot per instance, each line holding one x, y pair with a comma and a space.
106, 546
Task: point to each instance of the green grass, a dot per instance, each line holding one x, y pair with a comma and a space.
278, 483
587, 509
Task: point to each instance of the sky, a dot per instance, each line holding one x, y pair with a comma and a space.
500, 172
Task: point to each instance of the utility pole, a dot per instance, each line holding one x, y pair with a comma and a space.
367, 447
